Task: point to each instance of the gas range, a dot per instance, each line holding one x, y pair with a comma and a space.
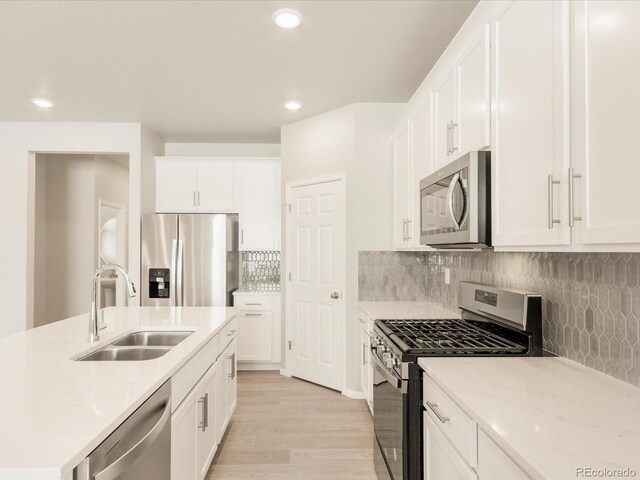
492, 322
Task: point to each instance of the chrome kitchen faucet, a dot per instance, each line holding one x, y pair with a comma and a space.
93, 321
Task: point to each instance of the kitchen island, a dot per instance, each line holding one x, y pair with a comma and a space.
55, 410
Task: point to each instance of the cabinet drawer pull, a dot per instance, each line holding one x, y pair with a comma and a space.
253, 304
231, 332
434, 409
253, 314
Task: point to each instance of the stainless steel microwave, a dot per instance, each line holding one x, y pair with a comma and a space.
455, 204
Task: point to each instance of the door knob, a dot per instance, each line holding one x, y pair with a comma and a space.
335, 295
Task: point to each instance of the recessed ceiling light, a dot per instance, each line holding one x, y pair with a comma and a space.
287, 18
292, 105
42, 102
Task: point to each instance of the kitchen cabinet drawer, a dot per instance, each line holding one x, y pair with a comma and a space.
228, 332
441, 462
253, 302
456, 425
185, 378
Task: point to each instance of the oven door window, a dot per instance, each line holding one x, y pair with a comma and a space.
388, 418
445, 206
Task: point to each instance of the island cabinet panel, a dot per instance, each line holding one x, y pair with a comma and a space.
201, 416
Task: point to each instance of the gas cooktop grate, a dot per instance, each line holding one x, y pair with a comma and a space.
453, 336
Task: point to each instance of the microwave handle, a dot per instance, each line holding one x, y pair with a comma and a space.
452, 187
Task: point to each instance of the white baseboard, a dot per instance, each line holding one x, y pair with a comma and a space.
355, 394
285, 372
258, 366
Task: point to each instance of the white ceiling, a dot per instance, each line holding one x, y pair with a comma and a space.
214, 71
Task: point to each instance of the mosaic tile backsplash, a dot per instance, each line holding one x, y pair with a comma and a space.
261, 271
591, 301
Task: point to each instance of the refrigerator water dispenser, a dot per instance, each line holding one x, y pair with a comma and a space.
159, 282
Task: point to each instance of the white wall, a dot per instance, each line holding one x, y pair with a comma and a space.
69, 224
355, 140
222, 149
18, 144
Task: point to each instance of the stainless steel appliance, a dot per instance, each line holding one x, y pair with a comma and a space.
189, 259
455, 204
493, 322
139, 448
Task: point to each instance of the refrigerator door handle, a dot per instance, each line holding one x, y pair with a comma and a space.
179, 275
173, 276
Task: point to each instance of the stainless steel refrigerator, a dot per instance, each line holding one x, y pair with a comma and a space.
189, 259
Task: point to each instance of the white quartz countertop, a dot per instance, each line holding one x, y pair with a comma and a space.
54, 410
550, 414
405, 310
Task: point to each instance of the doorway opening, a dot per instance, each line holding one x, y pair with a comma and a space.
81, 203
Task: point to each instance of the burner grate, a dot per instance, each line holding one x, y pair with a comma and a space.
449, 336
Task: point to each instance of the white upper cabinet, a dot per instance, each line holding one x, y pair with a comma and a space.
176, 184
215, 186
247, 186
191, 185
258, 201
473, 96
605, 102
402, 181
530, 154
421, 164
445, 122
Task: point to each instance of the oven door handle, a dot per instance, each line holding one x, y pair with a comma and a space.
388, 376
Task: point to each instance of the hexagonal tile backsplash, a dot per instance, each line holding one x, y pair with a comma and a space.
591, 301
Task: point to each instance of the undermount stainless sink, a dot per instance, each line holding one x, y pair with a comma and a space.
114, 354
137, 346
153, 339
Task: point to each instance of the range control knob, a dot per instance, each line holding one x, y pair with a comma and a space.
388, 359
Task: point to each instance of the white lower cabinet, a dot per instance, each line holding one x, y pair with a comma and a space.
184, 446
366, 369
207, 440
494, 463
454, 448
226, 387
259, 330
200, 421
441, 462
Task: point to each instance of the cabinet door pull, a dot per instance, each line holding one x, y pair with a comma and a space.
453, 137
364, 354
434, 409
408, 230
572, 217
241, 236
203, 404
232, 357
550, 184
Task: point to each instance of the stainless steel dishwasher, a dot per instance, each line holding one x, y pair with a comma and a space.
139, 449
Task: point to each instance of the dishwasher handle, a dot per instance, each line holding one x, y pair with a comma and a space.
119, 466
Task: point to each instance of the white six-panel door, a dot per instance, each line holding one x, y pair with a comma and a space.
317, 275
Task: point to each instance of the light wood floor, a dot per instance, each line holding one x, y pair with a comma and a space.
284, 428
